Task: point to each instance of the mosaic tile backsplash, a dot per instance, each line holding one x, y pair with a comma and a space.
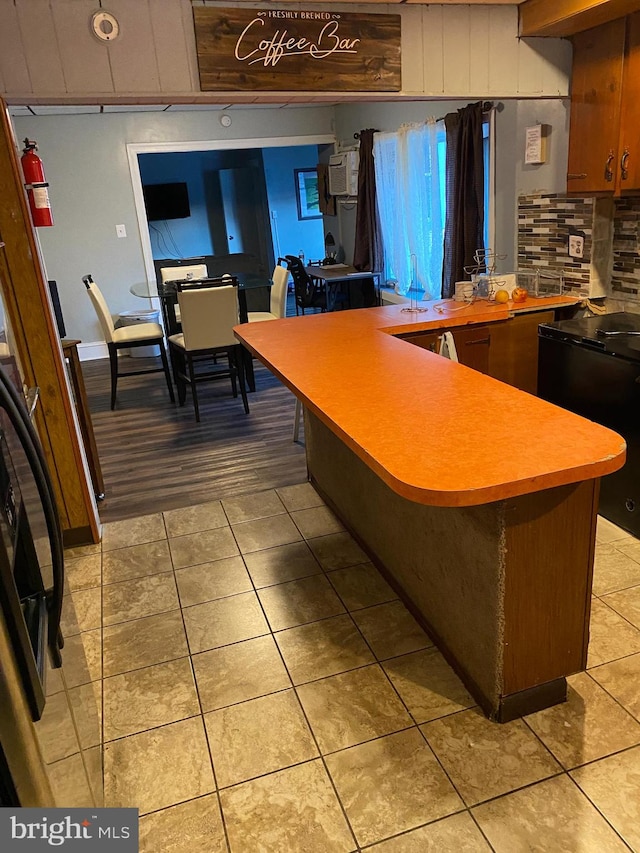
544, 225
625, 279
545, 222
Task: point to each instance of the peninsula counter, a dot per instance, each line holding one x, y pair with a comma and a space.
477, 500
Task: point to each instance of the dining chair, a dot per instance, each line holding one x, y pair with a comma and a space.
181, 273
195, 271
209, 311
308, 292
126, 337
277, 296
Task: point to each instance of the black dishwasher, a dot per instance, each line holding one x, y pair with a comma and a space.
591, 366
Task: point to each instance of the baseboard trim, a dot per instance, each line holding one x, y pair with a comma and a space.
92, 351
531, 700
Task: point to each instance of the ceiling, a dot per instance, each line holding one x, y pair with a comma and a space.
86, 109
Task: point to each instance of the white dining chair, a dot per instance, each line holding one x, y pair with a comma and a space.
277, 297
209, 313
126, 337
195, 271
182, 273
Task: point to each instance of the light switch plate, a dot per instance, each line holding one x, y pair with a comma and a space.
121, 231
576, 246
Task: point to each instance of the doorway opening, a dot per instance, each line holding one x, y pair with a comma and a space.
242, 198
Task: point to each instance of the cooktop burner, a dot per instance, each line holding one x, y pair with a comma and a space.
618, 334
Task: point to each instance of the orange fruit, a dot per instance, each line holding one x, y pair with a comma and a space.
502, 295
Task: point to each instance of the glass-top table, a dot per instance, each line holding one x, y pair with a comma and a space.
152, 290
167, 293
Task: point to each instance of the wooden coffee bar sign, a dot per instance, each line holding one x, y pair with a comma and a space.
279, 50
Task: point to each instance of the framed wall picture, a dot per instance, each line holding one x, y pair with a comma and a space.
307, 195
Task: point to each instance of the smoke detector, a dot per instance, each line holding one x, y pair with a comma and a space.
105, 26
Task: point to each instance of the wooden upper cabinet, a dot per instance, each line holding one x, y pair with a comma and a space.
604, 138
596, 88
629, 150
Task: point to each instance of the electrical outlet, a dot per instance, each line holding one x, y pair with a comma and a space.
121, 231
576, 246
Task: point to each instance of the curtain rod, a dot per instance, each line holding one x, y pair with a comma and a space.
487, 106
357, 135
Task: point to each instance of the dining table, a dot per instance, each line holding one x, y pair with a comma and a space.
361, 287
249, 285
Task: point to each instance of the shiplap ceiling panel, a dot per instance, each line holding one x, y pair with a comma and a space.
456, 2
456, 47
479, 56
134, 108
13, 64
552, 80
502, 48
529, 72
85, 62
134, 65
432, 50
40, 46
448, 50
190, 39
85, 109
538, 71
193, 107
412, 47
367, 3
171, 46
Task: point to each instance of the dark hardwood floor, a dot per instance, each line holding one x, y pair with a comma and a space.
156, 457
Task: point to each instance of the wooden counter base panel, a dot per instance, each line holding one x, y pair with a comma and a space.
501, 588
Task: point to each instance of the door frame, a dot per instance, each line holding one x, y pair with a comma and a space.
135, 148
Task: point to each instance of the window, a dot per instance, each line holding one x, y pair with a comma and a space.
410, 167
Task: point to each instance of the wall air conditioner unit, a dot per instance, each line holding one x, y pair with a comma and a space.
343, 173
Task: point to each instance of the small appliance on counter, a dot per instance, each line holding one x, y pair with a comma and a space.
591, 366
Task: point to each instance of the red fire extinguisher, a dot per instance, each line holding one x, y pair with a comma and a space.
36, 185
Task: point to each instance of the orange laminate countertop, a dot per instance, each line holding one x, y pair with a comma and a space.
434, 431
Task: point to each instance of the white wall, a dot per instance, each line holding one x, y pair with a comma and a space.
85, 159
293, 233
513, 176
86, 164
192, 236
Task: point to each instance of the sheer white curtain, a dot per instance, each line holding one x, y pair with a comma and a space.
410, 205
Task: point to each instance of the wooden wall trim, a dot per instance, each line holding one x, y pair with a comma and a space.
550, 541
37, 345
568, 17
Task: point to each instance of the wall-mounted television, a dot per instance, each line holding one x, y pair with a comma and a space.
166, 201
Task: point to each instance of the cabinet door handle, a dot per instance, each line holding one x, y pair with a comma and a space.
578, 176
608, 171
486, 340
624, 172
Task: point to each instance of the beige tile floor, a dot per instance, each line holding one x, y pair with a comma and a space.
264, 690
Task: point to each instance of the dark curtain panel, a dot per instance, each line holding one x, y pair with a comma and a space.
367, 253
464, 226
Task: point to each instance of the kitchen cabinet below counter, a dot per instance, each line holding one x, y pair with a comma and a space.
506, 350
